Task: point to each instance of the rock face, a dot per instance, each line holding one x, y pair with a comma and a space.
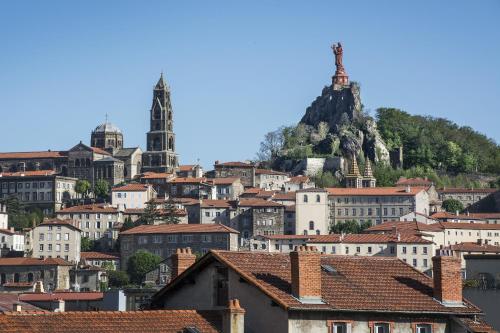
350, 131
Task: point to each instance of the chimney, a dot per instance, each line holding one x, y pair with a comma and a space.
60, 306
38, 287
181, 260
233, 318
446, 270
306, 274
16, 307
408, 189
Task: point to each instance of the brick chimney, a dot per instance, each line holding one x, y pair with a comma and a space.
181, 260
16, 307
446, 270
233, 318
306, 274
61, 306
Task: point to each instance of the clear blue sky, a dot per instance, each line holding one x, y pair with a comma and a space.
236, 70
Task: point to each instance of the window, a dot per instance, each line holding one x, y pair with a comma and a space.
318, 198
49, 237
358, 249
41, 247
425, 263
392, 249
41, 237
66, 236
414, 250
143, 239
49, 247
424, 249
98, 225
172, 238
187, 238
157, 239
305, 198
347, 250
207, 214
340, 327
369, 249
403, 249
401, 211
58, 247
423, 328
277, 247
58, 237
311, 225
381, 328
385, 211
414, 262
206, 238
66, 247
370, 211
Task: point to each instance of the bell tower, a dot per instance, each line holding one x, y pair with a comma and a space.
160, 153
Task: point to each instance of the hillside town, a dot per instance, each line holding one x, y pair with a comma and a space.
103, 235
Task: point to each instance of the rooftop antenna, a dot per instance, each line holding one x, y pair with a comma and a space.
106, 117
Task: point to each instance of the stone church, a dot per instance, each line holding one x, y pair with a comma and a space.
160, 140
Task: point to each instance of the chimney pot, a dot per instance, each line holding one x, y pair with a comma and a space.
181, 260
447, 278
233, 319
16, 307
306, 274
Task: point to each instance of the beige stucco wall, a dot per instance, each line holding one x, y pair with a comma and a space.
311, 211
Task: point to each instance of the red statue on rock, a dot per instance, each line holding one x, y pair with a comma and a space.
340, 78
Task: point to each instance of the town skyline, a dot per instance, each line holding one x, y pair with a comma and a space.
241, 84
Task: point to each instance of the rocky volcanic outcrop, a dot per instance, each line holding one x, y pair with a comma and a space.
350, 132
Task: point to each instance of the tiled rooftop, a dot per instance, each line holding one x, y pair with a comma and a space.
132, 188
98, 255
178, 228
371, 191
474, 247
467, 190
95, 208
370, 238
34, 173
7, 300
357, 284
66, 296
26, 261
165, 321
33, 154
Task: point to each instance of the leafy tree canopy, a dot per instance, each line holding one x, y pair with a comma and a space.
140, 263
452, 205
101, 189
82, 187
117, 279
349, 227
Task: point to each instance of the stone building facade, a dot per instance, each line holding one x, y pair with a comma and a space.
244, 171
160, 155
164, 240
107, 137
35, 160
17, 272
467, 196
42, 189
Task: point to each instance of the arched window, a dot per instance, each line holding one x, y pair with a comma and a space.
16, 277
318, 198
30, 277
305, 198
311, 225
317, 232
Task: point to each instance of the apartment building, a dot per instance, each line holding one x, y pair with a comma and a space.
243, 170
271, 180
56, 238
163, 240
96, 221
229, 188
158, 180
42, 189
490, 218
298, 183
317, 209
135, 196
467, 196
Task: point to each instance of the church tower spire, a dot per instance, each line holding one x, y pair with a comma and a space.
368, 179
160, 154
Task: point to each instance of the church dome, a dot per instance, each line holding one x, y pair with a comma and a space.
107, 128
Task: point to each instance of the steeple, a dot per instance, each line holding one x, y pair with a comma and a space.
353, 178
368, 169
368, 179
160, 85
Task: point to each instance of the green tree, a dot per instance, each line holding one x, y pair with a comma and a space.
19, 218
82, 187
325, 179
101, 189
169, 216
117, 279
151, 213
127, 224
86, 244
347, 227
140, 263
452, 205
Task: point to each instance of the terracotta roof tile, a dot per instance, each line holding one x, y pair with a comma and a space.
66, 296
379, 284
156, 175
188, 180
33, 154
34, 173
370, 238
472, 226
165, 321
95, 208
413, 181
98, 255
474, 247
7, 301
26, 261
67, 223
186, 167
236, 164
475, 325
405, 226
216, 204
99, 151
258, 203
374, 191
178, 228
132, 187
470, 216
299, 180
288, 196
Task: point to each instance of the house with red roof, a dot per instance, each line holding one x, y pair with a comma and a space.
133, 195
306, 291
243, 170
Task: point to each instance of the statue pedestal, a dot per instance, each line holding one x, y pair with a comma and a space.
340, 80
